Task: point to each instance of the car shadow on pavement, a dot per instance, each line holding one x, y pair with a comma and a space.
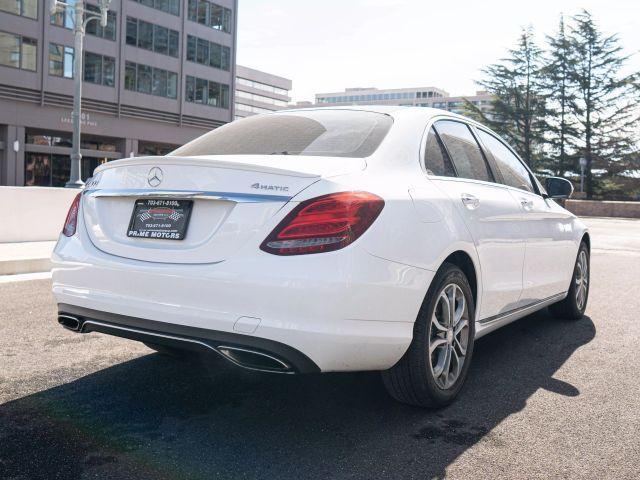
154, 417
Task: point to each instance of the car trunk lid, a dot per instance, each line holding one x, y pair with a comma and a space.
231, 197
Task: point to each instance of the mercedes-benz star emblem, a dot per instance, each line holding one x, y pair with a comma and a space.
155, 176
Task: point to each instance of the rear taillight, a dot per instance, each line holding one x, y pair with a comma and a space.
324, 224
71, 222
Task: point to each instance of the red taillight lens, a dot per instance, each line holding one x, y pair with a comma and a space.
70, 223
324, 224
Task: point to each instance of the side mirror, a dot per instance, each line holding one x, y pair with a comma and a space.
558, 187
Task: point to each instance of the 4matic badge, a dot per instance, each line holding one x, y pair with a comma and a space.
275, 188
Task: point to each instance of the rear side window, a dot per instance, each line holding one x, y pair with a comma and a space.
464, 150
512, 170
334, 133
436, 160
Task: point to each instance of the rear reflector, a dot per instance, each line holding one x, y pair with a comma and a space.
71, 222
324, 224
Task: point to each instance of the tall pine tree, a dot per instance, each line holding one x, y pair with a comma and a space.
518, 107
560, 89
606, 110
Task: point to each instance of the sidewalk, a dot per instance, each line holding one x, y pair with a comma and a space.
25, 257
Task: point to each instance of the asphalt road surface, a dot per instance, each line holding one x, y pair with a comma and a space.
544, 399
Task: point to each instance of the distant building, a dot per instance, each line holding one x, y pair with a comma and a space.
259, 92
414, 96
159, 74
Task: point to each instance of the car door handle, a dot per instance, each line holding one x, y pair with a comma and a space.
470, 201
526, 204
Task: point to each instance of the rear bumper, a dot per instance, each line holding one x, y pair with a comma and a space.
344, 311
254, 353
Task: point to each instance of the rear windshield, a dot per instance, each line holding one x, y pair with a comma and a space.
335, 133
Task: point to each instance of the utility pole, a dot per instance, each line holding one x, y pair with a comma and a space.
80, 21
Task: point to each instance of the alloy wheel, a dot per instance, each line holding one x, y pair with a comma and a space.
448, 336
582, 279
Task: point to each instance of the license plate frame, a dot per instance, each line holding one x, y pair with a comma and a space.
160, 219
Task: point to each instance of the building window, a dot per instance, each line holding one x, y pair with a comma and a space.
94, 27
250, 108
152, 37
208, 53
99, 69
261, 98
149, 148
64, 19
169, 6
18, 51
262, 86
153, 81
46, 170
206, 92
210, 14
24, 8
37, 170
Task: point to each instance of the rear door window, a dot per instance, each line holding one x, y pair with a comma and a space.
436, 159
511, 168
464, 150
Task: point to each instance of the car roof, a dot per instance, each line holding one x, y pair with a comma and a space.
395, 111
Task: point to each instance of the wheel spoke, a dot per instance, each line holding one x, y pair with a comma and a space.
461, 324
435, 343
458, 363
460, 310
463, 350
451, 297
437, 324
447, 306
447, 365
438, 369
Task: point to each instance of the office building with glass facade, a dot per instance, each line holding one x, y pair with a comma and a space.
414, 96
159, 74
259, 92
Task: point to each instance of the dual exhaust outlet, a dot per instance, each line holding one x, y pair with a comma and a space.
244, 357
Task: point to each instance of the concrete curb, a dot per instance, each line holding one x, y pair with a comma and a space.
25, 257
25, 265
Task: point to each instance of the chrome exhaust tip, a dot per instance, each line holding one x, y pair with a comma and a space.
69, 322
254, 360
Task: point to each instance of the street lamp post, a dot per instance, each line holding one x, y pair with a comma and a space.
80, 21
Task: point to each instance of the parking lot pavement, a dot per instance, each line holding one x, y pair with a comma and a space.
545, 399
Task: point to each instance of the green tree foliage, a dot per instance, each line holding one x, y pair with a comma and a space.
560, 90
518, 107
606, 110
568, 102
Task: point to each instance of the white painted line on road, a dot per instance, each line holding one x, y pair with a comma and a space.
23, 277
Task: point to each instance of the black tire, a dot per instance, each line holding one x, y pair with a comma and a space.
569, 308
412, 379
167, 350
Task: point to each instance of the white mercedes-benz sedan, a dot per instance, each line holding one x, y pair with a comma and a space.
323, 240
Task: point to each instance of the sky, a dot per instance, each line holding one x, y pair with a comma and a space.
330, 45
